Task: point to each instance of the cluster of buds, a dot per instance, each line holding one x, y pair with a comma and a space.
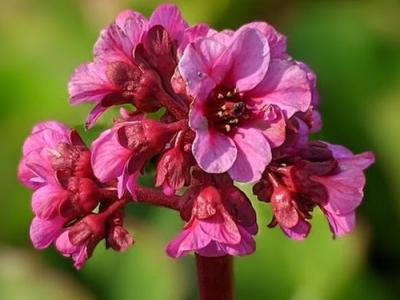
233, 106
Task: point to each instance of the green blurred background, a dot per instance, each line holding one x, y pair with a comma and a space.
354, 47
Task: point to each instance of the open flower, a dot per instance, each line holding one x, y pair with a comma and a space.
242, 94
132, 57
324, 175
215, 228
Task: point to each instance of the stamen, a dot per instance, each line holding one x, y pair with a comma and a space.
220, 96
227, 128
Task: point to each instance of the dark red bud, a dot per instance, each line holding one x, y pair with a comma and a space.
118, 238
173, 168
89, 195
263, 190
147, 136
206, 203
88, 230
84, 196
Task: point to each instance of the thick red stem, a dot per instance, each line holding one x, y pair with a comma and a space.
116, 205
156, 197
215, 277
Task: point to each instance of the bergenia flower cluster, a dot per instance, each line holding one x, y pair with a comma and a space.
233, 106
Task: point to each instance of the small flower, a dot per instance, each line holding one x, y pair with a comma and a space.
121, 152
134, 59
173, 170
217, 226
243, 91
118, 238
324, 175
79, 241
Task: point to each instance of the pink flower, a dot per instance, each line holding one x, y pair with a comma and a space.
135, 58
79, 241
243, 92
56, 165
121, 152
217, 226
40, 149
321, 174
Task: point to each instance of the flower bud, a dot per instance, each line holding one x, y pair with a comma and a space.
173, 170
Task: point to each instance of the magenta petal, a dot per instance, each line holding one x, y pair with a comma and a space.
190, 239
66, 248
113, 45
285, 85
361, 161
253, 155
108, 156
197, 117
246, 246
191, 34
35, 169
28, 177
276, 41
348, 159
94, 114
224, 37
245, 62
339, 151
221, 229
276, 130
341, 225
64, 245
169, 17
127, 182
316, 121
89, 83
345, 190
133, 24
214, 152
44, 232
53, 125
196, 64
213, 249
46, 138
46, 200
298, 232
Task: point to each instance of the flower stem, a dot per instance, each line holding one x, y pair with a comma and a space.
215, 277
156, 197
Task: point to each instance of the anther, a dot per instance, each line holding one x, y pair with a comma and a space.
220, 96
227, 128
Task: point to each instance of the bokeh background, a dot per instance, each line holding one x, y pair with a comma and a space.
354, 47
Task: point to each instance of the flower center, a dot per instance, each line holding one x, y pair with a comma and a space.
226, 109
